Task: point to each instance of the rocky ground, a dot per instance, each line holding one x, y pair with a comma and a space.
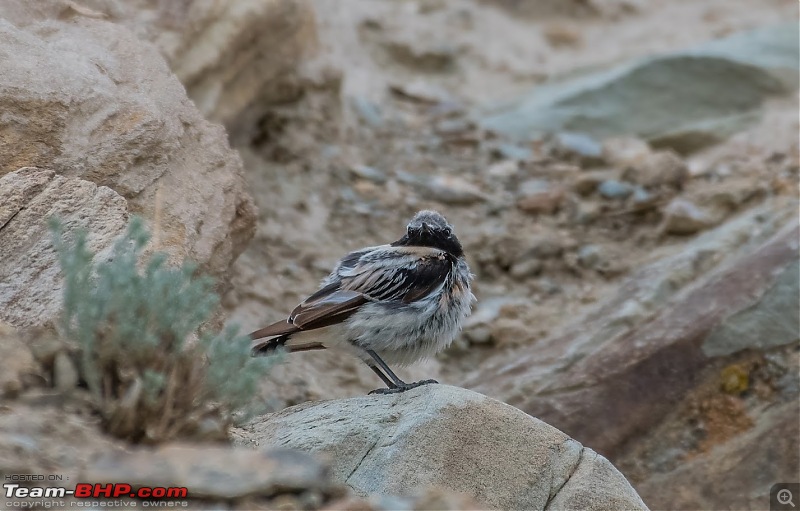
623, 176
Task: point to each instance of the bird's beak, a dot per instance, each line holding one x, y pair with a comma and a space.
426, 228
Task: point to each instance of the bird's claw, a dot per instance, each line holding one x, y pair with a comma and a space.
402, 388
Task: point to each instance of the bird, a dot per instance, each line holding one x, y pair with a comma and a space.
396, 303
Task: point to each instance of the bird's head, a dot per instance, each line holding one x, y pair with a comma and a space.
430, 229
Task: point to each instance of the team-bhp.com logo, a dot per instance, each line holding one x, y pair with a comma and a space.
92, 491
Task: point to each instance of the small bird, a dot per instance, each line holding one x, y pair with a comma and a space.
395, 303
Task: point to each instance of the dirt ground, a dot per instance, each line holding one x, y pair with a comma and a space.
306, 161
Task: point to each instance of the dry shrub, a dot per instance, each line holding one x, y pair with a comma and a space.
153, 373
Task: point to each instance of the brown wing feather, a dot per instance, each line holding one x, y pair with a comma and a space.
339, 300
332, 309
319, 310
281, 327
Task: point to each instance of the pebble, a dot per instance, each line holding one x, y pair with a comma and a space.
538, 196
65, 376
684, 217
546, 286
478, 326
586, 213
512, 152
503, 169
642, 196
586, 183
369, 173
367, 111
422, 91
623, 152
664, 168
286, 502
453, 126
586, 150
543, 246
613, 189
451, 190
589, 256
526, 268
480, 334
559, 34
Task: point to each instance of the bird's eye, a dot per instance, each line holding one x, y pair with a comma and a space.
447, 231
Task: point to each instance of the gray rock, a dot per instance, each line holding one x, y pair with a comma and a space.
683, 100
368, 173
613, 189
546, 245
452, 438
684, 217
587, 182
503, 169
640, 352
589, 256
446, 189
422, 91
770, 322
368, 111
663, 168
540, 196
512, 152
212, 472
65, 374
642, 197
478, 325
422, 55
579, 146
449, 127
526, 268
586, 213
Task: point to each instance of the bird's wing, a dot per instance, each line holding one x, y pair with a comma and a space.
326, 307
398, 274
379, 274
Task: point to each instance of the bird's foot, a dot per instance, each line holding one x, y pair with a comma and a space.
402, 388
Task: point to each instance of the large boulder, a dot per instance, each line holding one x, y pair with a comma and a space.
30, 274
86, 98
679, 364
627, 363
229, 55
684, 100
452, 438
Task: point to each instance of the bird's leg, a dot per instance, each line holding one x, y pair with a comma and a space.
396, 382
396, 385
389, 383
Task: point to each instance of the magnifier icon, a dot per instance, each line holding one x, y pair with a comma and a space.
785, 497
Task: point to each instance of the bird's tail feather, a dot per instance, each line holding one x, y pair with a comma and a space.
262, 348
267, 347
